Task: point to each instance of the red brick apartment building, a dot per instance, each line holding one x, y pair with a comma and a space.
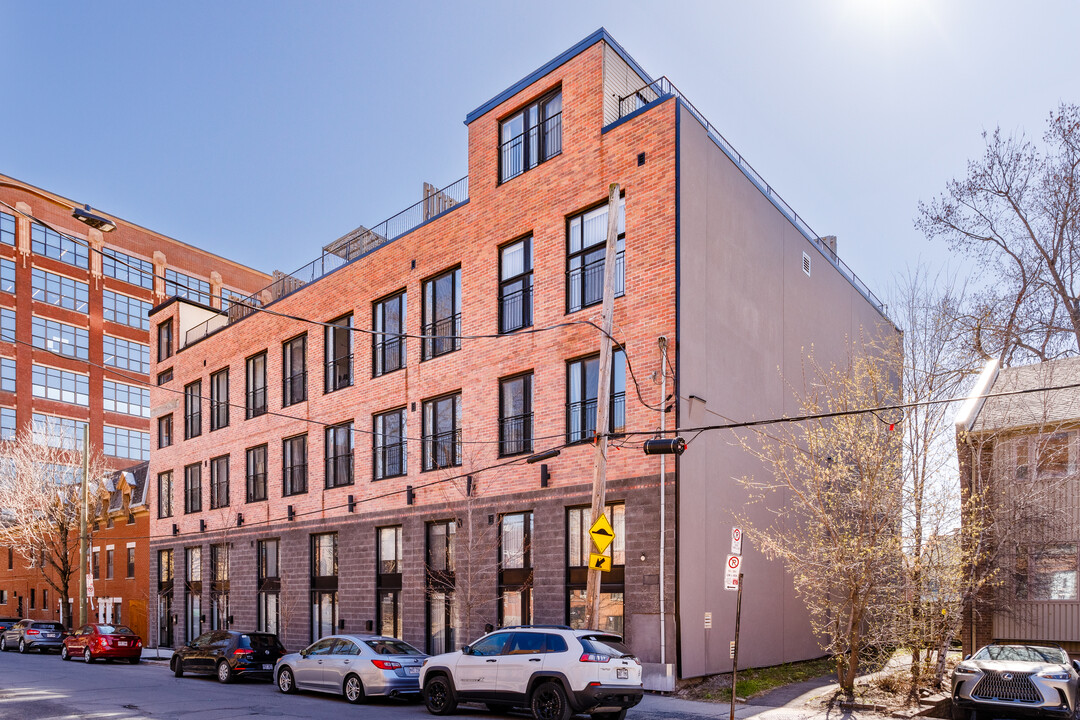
366, 471
74, 355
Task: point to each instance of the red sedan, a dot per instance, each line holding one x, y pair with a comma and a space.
98, 640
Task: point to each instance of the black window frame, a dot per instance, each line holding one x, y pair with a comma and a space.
441, 332
293, 473
579, 409
293, 382
268, 585
165, 340
192, 488
545, 131
337, 368
385, 345
255, 482
434, 438
165, 431
516, 290
255, 393
193, 409
219, 409
388, 580
519, 426
614, 580
338, 468
585, 266
165, 493
517, 579
441, 584
324, 585
219, 482
130, 563
389, 455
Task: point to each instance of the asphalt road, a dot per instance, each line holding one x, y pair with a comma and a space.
43, 687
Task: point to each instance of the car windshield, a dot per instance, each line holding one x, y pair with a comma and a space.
261, 642
605, 645
1023, 653
114, 630
48, 626
392, 647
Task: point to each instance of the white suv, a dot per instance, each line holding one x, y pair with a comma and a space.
551, 670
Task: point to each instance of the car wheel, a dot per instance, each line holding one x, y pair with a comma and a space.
439, 696
22, 645
87, 656
224, 672
64, 653
548, 702
3, 644
353, 689
134, 660
615, 715
178, 667
286, 683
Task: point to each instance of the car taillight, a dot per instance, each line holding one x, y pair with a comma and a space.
103, 642
386, 664
32, 631
239, 652
138, 642
594, 657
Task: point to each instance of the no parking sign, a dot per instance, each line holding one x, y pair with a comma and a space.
731, 572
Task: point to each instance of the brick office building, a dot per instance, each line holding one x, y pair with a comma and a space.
366, 471
74, 357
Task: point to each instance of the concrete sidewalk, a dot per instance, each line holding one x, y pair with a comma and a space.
657, 707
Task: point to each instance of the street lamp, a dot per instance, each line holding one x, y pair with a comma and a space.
98, 222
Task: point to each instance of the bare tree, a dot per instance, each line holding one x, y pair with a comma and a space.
838, 529
1018, 213
40, 502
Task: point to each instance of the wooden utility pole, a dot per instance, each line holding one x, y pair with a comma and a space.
603, 401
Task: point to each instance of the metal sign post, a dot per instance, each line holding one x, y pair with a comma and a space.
735, 647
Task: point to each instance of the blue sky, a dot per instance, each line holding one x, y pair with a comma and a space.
263, 130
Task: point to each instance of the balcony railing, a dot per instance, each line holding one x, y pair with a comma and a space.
442, 450
256, 402
515, 434
515, 310
338, 373
294, 388
389, 354
390, 460
586, 284
536, 144
663, 88
339, 469
441, 336
294, 479
581, 417
434, 203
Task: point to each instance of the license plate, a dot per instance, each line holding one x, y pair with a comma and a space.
622, 673
412, 671
51, 635
122, 643
267, 666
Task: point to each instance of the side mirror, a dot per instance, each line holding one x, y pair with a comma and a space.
1076, 665
466, 650
967, 657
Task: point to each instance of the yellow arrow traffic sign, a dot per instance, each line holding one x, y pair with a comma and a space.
602, 534
599, 562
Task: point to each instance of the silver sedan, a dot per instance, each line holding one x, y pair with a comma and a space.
356, 666
1015, 680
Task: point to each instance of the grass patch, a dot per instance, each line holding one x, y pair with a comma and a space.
758, 680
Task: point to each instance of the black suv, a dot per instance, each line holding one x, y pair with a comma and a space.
229, 654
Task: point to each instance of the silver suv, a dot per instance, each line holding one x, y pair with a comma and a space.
1016, 679
551, 670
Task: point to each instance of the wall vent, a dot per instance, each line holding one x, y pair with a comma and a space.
806, 264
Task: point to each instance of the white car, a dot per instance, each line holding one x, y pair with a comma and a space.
551, 670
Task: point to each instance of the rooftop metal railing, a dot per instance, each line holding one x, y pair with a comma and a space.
338, 254
663, 88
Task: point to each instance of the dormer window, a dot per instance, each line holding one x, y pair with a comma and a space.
530, 136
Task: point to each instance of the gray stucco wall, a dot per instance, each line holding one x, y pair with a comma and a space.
747, 316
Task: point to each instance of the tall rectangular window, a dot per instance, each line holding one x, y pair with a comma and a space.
193, 410
515, 569
339, 455
387, 341
388, 582
61, 385
515, 285
612, 587
126, 399
219, 482
441, 583
339, 353
294, 465
515, 415
441, 321
110, 563
130, 562
7, 228
219, 587
219, 399
7, 275
164, 494
324, 585
8, 429
164, 432
193, 488
126, 310
268, 602
256, 473
7, 327
193, 618
46, 241
390, 445
7, 375
126, 443
56, 337
58, 290
126, 355
442, 432
582, 380
165, 340
294, 371
530, 136
586, 248
127, 268
255, 395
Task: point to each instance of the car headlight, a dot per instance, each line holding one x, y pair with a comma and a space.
965, 670
1055, 674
